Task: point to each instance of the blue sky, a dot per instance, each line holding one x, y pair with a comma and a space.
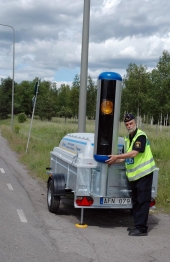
48, 37
66, 74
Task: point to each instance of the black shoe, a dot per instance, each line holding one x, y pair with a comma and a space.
131, 228
136, 232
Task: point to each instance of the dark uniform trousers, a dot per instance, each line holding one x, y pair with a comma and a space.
141, 197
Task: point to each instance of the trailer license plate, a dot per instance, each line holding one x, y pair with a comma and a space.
115, 200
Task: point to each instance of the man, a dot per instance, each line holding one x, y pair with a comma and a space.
140, 165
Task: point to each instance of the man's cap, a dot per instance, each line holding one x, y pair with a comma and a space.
128, 117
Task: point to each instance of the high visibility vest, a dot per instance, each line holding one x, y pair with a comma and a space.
143, 163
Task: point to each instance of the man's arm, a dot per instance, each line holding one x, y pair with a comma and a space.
120, 158
138, 147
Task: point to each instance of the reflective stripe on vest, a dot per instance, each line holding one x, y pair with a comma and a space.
144, 173
143, 164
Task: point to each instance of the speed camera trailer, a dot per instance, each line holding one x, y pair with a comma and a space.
77, 165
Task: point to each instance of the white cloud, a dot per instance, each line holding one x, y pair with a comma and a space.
48, 36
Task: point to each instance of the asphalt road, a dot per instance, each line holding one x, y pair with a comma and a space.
28, 232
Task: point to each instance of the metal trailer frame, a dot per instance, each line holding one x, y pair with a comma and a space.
74, 170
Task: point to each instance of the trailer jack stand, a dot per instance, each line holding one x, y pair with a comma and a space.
81, 225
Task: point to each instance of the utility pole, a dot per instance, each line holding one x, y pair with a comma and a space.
84, 68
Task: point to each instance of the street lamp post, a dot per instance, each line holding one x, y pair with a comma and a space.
12, 107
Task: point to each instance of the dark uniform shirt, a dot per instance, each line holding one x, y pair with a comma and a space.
140, 142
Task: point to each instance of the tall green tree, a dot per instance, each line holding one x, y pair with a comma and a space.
46, 101
46, 107
160, 77
76, 82
134, 94
5, 97
63, 97
91, 98
23, 97
73, 102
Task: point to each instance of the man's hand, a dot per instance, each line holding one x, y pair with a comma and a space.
112, 159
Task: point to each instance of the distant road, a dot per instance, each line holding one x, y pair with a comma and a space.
29, 233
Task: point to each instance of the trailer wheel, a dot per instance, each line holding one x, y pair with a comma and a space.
53, 202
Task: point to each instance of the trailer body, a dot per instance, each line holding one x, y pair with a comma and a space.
73, 169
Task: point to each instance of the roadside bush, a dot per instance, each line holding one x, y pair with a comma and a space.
16, 129
22, 117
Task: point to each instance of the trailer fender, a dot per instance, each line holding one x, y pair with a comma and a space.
58, 184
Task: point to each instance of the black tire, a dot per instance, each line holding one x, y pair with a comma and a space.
53, 202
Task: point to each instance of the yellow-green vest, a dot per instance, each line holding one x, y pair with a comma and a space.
142, 164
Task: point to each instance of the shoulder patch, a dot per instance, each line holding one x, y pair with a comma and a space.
138, 144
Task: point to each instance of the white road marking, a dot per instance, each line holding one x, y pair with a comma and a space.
10, 187
22, 215
2, 170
